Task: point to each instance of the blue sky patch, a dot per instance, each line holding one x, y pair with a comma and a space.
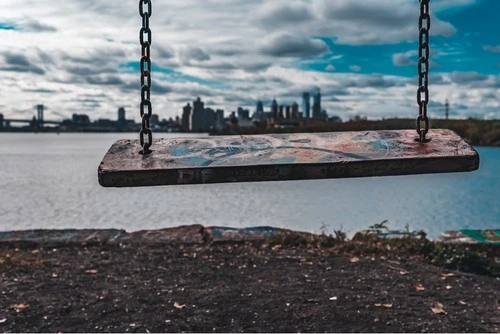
7, 26
471, 49
174, 76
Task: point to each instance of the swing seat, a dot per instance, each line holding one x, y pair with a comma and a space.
279, 157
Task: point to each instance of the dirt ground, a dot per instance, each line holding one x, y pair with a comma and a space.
235, 287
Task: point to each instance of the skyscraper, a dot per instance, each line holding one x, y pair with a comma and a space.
197, 116
186, 117
306, 105
274, 109
219, 119
208, 119
295, 110
259, 112
122, 122
243, 114
260, 107
317, 104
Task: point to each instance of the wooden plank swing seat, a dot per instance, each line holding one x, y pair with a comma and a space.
280, 157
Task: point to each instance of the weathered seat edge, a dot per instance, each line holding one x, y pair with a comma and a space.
288, 172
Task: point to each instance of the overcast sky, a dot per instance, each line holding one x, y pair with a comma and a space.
81, 56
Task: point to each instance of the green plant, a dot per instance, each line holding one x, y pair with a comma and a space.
460, 257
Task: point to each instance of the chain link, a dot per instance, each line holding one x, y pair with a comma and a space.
146, 108
424, 25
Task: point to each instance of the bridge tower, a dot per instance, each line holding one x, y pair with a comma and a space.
39, 113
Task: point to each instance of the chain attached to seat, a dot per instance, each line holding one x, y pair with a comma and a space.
146, 108
424, 24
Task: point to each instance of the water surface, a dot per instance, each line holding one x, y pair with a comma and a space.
50, 181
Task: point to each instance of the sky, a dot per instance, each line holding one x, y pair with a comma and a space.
83, 56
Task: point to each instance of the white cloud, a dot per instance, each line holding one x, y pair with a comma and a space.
287, 45
490, 48
76, 57
404, 59
355, 68
330, 68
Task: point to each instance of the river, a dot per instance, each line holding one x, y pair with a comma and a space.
50, 181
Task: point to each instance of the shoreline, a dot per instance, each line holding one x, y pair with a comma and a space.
209, 279
483, 244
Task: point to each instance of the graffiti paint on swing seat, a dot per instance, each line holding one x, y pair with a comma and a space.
277, 157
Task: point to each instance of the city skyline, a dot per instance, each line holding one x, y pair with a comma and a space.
362, 53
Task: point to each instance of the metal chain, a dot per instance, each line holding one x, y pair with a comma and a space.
424, 24
146, 109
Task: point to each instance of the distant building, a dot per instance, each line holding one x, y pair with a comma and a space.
80, 119
154, 120
197, 116
122, 121
287, 113
219, 119
274, 109
1, 121
281, 114
295, 110
243, 115
317, 105
260, 107
259, 114
208, 119
186, 118
306, 105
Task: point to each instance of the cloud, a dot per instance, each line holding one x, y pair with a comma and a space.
231, 53
377, 22
330, 68
17, 62
404, 59
355, 68
276, 14
490, 48
33, 25
286, 45
193, 53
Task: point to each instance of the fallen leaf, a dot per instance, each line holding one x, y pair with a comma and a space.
54, 275
437, 308
19, 307
419, 288
35, 251
179, 306
91, 271
448, 287
2, 320
333, 298
383, 305
462, 302
355, 259
444, 276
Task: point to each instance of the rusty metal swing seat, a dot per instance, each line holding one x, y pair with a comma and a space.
279, 157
